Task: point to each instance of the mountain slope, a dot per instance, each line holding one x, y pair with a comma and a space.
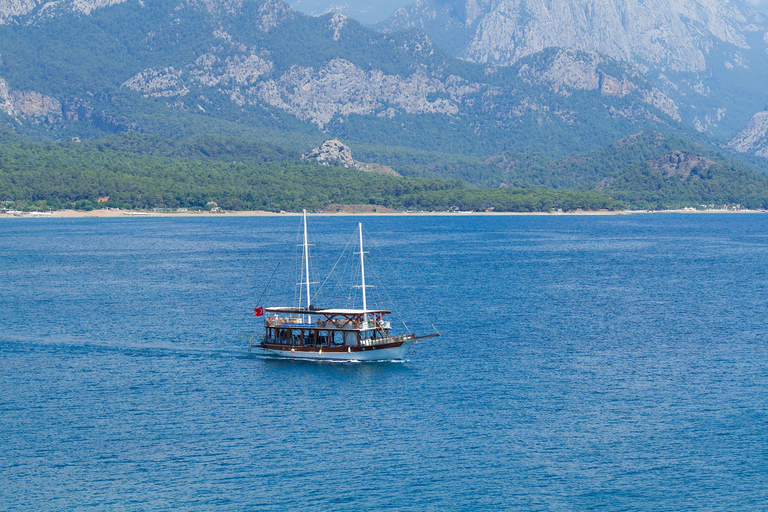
155, 65
648, 170
670, 35
709, 56
254, 71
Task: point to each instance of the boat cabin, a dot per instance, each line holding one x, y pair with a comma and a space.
301, 327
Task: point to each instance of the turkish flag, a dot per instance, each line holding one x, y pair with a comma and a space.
259, 311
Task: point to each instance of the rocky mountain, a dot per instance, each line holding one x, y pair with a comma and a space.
665, 34
754, 137
257, 68
709, 56
364, 11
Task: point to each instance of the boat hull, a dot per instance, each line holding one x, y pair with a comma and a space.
387, 352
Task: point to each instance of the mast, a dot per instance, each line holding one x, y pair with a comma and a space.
362, 272
306, 261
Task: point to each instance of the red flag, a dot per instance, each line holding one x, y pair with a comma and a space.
259, 311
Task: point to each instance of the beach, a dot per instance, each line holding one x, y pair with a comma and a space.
114, 213
341, 210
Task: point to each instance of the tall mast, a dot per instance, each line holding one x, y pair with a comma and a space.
362, 272
306, 260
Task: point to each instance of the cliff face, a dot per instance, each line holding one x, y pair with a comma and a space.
666, 34
568, 71
29, 105
10, 9
754, 137
709, 56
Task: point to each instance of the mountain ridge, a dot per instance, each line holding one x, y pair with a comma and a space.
708, 56
233, 60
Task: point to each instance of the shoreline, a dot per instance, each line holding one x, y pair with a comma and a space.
127, 214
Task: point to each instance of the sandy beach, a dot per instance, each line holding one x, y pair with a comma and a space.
341, 210
126, 214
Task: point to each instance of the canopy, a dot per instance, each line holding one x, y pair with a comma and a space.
344, 312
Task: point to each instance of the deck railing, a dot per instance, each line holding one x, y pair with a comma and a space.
373, 342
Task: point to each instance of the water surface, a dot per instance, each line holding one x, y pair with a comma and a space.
585, 362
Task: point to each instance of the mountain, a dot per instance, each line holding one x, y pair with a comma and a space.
255, 71
754, 137
361, 10
654, 34
255, 67
708, 56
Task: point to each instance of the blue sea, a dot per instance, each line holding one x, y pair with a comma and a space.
584, 362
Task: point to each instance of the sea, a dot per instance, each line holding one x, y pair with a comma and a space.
615, 362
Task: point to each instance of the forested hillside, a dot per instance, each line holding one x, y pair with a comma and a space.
147, 171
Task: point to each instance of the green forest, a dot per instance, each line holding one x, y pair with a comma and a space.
137, 171
140, 171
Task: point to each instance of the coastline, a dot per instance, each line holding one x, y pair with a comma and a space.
132, 214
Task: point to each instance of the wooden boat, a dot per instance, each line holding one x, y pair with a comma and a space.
306, 332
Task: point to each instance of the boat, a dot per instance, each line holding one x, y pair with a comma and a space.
336, 334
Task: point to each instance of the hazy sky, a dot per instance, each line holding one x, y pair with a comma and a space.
372, 11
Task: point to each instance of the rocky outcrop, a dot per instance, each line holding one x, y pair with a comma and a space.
666, 34
29, 104
208, 70
754, 137
332, 152
341, 88
679, 164
335, 153
565, 71
10, 9
272, 13
337, 23
158, 83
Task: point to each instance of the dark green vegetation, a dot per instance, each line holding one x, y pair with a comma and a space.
646, 170
146, 171
137, 171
